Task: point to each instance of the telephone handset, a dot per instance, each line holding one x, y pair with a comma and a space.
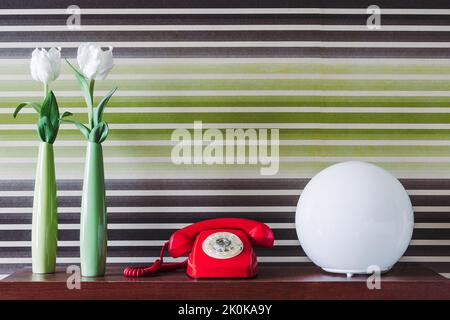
218, 248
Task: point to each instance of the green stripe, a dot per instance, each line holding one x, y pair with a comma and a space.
289, 169
281, 84
257, 84
292, 170
247, 101
285, 151
258, 68
255, 118
285, 134
177, 171
186, 68
199, 101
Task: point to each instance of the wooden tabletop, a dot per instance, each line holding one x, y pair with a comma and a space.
272, 283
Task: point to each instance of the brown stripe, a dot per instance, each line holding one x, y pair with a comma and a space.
209, 184
161, 234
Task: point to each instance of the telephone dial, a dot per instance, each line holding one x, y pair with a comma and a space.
218, 248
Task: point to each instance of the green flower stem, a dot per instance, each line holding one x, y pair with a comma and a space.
91, 111
45, 217
45, 89
93, 236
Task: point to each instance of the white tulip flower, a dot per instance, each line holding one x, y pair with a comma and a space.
45, 65
94, 63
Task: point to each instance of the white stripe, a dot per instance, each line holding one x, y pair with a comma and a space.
108, 260
235, 44
132, 226
320, 61
15, 226
203, 76
168, 160
430, 242
246, 76
118, 243
316, 142
429, 192
120, 28
131, 126
432, 225
368, 159
176, 93
445, 275
424, 172
425, 259
157, 11
207, 93
363, 142
3, 276
158, 243
134, 110
174, 226
373, 76
249, 27
145, 226
402, 11
249, 60
382, 28
170, 193
201, 61
190, 193
163, 209
121, 243
150, 126
432, 209
366, 44
187, 44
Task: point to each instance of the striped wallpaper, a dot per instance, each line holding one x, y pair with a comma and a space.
336, 91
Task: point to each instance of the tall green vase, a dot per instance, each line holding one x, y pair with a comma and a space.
44, 231
93, 227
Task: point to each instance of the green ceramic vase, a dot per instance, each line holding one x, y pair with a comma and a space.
44, 231
93, 227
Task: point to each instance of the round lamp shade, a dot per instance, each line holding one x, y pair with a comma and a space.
352, 216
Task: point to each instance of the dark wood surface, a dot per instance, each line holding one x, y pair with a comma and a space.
409, 282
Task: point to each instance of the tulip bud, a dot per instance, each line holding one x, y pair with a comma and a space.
45, 65
94, 63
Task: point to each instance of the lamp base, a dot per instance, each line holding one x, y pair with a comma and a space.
351, 272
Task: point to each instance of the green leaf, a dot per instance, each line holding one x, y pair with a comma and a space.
54, 110
41, 127
104, 134
84, 130
47, 105
35, 106
95, 134
46, 130
54, 134
99, 133
101, 106
85, 88
66, 114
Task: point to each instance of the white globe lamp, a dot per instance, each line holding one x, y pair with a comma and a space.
354, 217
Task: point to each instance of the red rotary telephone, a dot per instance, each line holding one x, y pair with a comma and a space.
218, 248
